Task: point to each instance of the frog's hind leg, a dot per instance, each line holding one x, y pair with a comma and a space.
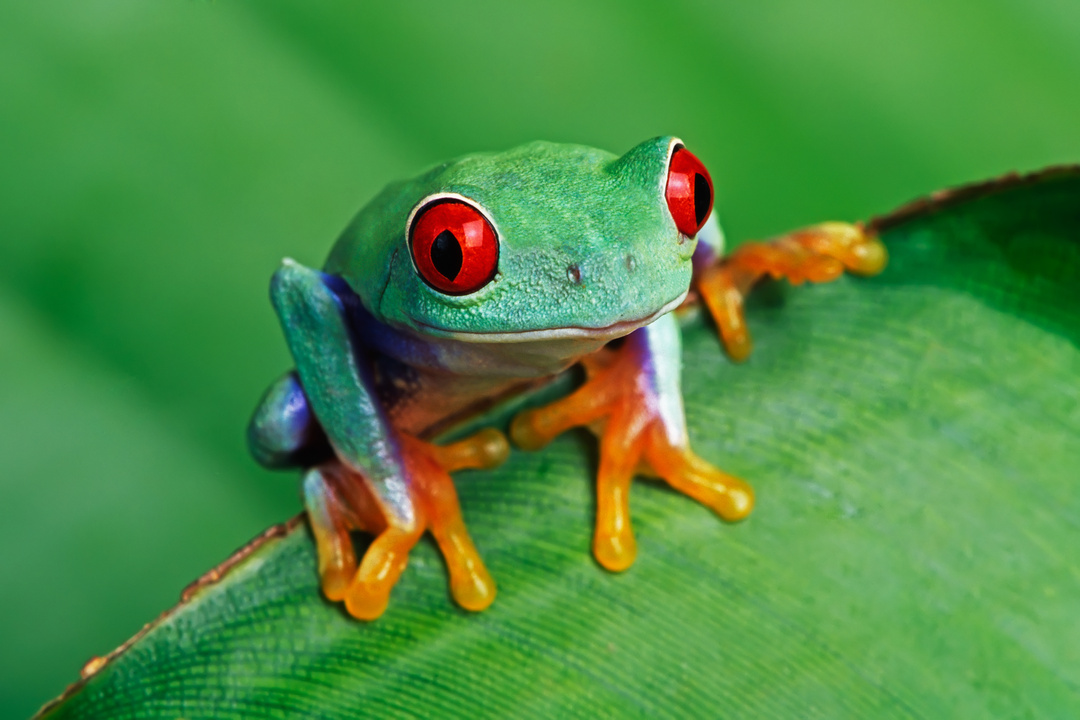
819, 253
283, 431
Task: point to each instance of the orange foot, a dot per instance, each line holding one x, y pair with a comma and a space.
620, 401
819, 254
339, 501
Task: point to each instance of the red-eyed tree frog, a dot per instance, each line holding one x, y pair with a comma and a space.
479, 277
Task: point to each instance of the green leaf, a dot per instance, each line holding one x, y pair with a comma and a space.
912, 439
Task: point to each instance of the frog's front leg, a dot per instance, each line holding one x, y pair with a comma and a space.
632, 398
819, 253
381, 481
340, 500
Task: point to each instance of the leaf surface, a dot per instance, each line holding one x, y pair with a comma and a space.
912, 440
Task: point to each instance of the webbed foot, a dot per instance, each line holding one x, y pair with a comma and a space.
819, 253
339, 501
640, 431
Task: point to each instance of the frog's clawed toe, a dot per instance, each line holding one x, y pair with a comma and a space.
338, 502
819, 253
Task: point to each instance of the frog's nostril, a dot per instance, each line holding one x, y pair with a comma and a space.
573, 274
631, 263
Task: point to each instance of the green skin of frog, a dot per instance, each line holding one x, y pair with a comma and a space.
402, 332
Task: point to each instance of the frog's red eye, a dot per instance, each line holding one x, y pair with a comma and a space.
454, 247
689, 192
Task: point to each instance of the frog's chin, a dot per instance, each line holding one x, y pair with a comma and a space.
605, 333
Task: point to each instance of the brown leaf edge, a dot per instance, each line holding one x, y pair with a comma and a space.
211, 577
926, 205
942, 199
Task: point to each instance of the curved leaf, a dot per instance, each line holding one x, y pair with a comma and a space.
913, 443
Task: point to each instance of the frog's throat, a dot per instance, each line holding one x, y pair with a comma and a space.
608, 332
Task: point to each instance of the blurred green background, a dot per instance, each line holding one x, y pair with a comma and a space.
158, 159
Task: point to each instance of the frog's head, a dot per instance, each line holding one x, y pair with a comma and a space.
541, 242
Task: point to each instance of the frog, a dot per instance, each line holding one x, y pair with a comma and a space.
479, 279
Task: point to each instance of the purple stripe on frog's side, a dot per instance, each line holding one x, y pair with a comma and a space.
704, 256
369, 333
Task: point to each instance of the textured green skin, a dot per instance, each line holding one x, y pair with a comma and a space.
912, 440
553, 206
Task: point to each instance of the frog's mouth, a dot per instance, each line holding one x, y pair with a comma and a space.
607, 332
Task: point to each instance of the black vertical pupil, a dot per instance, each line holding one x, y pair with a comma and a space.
702, 198
446, 254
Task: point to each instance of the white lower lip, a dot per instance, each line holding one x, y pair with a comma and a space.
609, 332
